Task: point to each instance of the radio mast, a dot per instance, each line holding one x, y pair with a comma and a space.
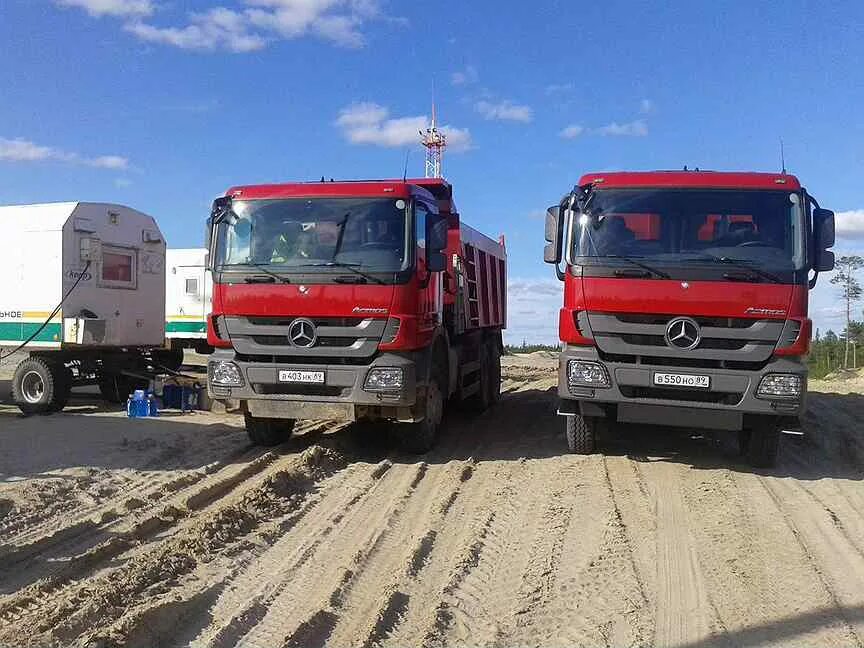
435, 142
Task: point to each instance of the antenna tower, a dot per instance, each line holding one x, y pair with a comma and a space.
435, 142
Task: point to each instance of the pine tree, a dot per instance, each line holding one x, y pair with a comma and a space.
850, 291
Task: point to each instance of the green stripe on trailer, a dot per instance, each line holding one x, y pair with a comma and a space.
186, 327
20, 331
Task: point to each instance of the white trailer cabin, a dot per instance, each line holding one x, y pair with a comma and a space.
188, 294
84, 292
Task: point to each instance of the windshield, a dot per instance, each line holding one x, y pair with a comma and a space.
762, 229
315, 232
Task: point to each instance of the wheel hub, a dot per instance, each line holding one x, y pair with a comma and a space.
32, 387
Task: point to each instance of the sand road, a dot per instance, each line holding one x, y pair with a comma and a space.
175, 532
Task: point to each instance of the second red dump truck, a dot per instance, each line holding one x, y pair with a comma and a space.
365, 300
685, 302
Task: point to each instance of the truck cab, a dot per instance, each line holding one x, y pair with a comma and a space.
685, 302
344, 300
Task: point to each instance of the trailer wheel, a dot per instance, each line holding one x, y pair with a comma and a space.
761, 444
64, 388
583, 432
268, 431
420, 437
39, 387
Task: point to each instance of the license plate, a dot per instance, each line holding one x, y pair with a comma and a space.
295, 376
682, 380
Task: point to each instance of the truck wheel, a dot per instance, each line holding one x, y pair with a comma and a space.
420, 437
494, 374
583, 432
761, 444
268, 431
40, 387
479, 402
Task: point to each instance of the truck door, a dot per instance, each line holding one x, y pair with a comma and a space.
430, 300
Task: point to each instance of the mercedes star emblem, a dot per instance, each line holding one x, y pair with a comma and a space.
302, 333
683, 333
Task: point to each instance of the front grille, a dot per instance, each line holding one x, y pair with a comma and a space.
335, 338
724, 343
300, 390
653, 318
318, 321
307, 360
690, 396
695, 363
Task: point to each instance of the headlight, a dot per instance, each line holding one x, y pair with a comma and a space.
779, 386
225, 373
384, 379
586, 374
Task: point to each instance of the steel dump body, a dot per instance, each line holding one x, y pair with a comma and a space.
112, 255
409, 321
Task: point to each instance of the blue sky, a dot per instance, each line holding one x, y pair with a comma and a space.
162, 104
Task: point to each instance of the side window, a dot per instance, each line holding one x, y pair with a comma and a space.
118, 267
191, 286
420, 216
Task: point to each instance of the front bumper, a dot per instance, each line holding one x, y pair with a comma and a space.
340, 397
632, 397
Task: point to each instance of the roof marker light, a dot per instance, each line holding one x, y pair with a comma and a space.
779, 180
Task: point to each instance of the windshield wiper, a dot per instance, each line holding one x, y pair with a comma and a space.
742, 264
644, 266
261, 266
348, 266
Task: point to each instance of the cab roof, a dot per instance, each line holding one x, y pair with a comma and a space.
437, 187
692, 179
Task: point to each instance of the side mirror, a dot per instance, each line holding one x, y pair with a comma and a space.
436, 235
824, 261
436, 261
552, 250
823, 228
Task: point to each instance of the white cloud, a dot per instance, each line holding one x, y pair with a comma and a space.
647, 106
248, 25
468, 76
850, 224
119, 8
505, 111
370, 123
636, 128
215, 29
532, 310
21, 150
572, 131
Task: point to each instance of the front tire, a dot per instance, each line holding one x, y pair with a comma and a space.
420, 437
760, 445
583, 432
268, 431
40, 387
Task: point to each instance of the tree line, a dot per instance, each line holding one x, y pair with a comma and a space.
831, 351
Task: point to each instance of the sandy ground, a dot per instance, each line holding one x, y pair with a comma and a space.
175, 532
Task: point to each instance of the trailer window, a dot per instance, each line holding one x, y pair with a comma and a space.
118, 268
191, 286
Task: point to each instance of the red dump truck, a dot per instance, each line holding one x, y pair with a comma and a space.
685, 302
361, 300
